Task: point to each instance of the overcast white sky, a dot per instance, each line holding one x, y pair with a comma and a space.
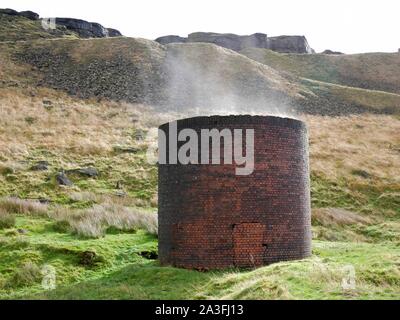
350, 26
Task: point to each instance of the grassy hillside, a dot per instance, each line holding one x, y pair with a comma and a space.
142, 71
334, 99
374, 71
184, 76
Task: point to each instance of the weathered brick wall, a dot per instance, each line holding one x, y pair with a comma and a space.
211, 218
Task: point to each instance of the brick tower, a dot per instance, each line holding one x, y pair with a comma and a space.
211, 218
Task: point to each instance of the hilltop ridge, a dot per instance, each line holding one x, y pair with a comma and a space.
27, 25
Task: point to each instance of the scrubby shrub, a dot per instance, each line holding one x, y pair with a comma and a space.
62, 226
6, 220
26, 275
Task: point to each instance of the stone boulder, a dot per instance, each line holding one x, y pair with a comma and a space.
40, 166
63, 180
113, 32
87, 172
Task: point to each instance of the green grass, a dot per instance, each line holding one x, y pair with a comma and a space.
319, 277
375, 71
372, 100
117, 270
372, 197
42, 245
113, 169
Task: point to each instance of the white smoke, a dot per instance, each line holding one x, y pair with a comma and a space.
204, 79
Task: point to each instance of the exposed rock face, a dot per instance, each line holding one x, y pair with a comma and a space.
27, 14
87, 29
229, 40
83, 28
289, 44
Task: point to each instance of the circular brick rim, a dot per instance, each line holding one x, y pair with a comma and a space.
217, 120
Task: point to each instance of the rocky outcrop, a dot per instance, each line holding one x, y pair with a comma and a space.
27, 14
170, 39
83, 28
113, 32
87, 29
289, 44
286, 44
229, 40
327, 51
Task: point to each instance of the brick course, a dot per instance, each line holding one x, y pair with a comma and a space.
210, 218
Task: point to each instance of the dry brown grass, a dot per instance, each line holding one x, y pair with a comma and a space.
82, 127
21, 206
336, 216
98, 198
346, 146
95, 221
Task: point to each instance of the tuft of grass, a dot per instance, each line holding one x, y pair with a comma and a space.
6, 220
26, 275
95, 221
